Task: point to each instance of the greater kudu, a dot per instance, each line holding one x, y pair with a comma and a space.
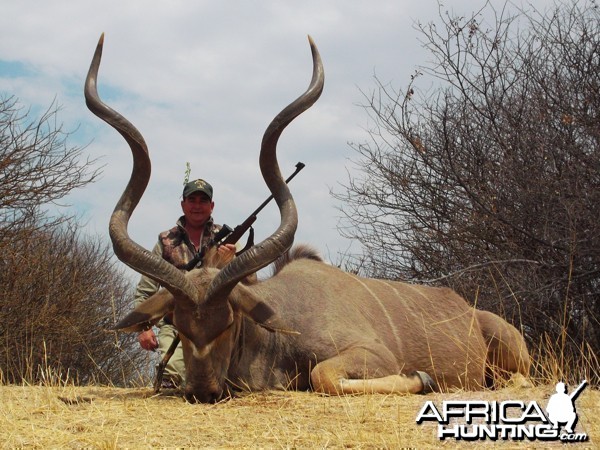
311, 325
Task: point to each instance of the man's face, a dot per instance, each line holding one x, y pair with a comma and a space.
197, 208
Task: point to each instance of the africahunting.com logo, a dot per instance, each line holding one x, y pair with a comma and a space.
508, 420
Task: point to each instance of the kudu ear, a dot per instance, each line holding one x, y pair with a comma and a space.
148, 313
261, 313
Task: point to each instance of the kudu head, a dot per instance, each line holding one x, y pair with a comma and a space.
207, 304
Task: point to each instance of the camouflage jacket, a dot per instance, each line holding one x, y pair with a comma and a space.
177, 247
174, 246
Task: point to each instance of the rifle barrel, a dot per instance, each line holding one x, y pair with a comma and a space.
299, 167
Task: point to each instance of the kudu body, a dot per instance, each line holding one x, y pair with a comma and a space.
311, 325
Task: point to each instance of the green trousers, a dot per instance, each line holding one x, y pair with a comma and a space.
175, 370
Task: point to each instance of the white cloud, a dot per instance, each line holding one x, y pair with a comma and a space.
201, 80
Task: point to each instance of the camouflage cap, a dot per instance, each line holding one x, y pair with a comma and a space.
197, 186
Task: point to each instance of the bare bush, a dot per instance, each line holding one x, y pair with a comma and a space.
59, 292
37, 165
60, 296
491, 183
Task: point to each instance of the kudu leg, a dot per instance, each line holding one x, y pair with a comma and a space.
507, 355
360, 371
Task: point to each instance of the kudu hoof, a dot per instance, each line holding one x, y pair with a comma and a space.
428, 384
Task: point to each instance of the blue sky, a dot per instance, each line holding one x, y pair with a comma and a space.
15, 69
201, 81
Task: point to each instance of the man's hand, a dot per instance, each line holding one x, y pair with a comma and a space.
226, 252
147, 340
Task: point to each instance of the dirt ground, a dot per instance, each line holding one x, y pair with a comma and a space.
108, 417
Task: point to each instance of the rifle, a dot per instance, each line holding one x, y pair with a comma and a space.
228, 236
573, 396
224, 236
239, 231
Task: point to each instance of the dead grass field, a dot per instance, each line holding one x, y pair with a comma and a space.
110, 418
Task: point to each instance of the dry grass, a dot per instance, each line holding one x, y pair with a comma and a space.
107, 418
